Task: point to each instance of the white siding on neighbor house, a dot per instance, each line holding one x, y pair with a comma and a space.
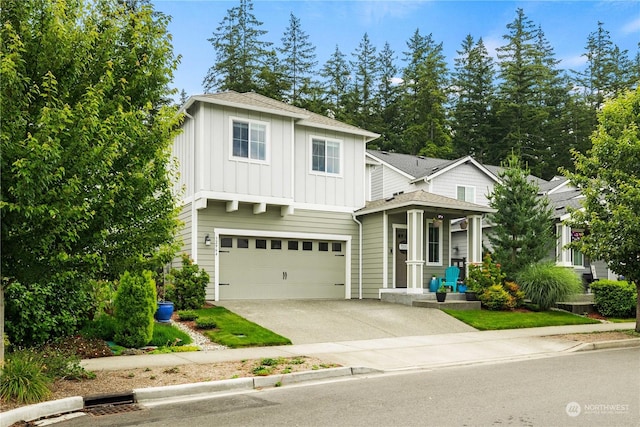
447, 183
346, 189
183, 236
386, 182
221, 172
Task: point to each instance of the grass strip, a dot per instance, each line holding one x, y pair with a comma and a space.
487, 320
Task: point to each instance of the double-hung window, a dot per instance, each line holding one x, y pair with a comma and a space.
249, 140
325, 156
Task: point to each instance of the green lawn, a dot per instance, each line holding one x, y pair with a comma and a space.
235, 331
486, 320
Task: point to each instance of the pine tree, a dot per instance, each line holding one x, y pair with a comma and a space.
386, 102
336, 74
522, 233
363, 89
472, 115
425, 95
240, 52
298, 60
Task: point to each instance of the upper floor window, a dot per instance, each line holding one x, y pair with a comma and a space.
466, 193
325, 156
249, 140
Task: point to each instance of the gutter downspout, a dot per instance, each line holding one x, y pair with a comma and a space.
353, 216
194, 222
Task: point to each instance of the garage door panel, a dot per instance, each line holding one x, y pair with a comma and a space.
266, 271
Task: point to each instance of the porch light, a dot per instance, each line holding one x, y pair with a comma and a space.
207, 240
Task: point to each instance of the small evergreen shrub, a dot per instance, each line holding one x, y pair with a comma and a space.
187, 315
545, 284
135, 305
495, 297
206, 324
188, 287
614, 298
23, 378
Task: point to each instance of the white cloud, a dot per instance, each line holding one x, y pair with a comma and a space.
631, 27
575, 61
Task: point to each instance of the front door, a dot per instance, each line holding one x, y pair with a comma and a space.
400, 246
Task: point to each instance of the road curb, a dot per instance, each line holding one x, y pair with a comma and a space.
195, 390
602, 345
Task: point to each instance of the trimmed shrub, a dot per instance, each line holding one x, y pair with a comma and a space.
495, 297
515, 291
187, 315
545, 284
135, 304
614, 298
188, 287
23, 378
206, 324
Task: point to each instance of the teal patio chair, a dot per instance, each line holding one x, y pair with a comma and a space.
451, 275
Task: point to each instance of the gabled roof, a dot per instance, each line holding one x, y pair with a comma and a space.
564, 201
555, 185
256, 102
424, 199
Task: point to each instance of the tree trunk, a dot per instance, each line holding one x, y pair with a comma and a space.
638, 306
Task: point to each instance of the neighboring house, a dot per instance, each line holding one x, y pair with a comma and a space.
277, 203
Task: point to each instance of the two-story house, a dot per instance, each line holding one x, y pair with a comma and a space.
275, 205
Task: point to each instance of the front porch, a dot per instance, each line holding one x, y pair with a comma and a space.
426, 299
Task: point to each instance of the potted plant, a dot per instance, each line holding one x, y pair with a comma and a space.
441, 293
462, 288
165, 308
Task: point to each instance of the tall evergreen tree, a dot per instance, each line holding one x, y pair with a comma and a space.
336, 76
423, 101
270, 80
523, 223
298, 60
474, 91
240, 52
387, 102
361, 93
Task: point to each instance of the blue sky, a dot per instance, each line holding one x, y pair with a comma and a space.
566, 25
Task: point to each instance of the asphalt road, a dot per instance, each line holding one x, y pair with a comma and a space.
597, 388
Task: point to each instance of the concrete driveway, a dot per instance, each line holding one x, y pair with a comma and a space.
318, 321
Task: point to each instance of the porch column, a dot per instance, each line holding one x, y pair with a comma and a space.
415, 250
474, 235
563, 238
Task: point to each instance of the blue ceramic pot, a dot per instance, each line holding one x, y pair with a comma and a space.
164, 311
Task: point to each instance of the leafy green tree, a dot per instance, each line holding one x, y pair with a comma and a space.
85, 141
522, 233
609, 177
426, 131
474, 94
240, 52
299, 61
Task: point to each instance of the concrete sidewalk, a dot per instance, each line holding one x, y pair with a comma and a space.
388, 354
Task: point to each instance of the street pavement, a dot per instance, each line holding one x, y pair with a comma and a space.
391, 338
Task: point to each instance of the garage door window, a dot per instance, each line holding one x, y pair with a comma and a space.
226, 242
243, 243
307, 246
336, 247
261, 244
323, 246
276, 244
293, 245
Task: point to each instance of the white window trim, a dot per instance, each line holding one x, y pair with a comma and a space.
267, 140
470, 187
341, 150
573, 254
426, 243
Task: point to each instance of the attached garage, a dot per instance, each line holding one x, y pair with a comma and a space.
253, 265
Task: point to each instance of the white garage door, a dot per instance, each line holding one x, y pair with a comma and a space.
275, 268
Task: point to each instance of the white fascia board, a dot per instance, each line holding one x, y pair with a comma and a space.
249, 107
459, 162
558, 187
243, 198
369, 136
393, 168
